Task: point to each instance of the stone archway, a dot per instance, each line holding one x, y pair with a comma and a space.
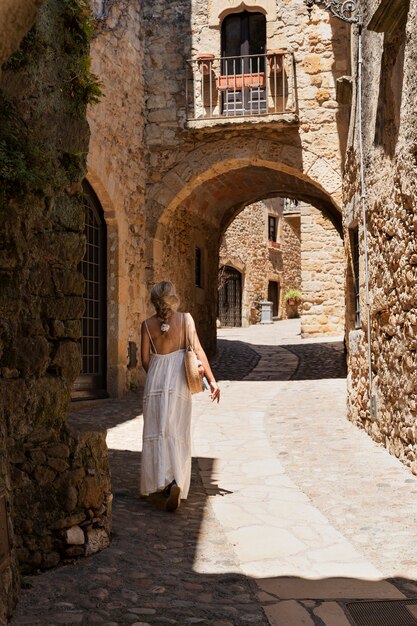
202, 194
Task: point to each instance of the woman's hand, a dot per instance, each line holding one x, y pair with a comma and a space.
215, 391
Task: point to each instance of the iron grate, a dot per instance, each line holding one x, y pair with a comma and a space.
383, 613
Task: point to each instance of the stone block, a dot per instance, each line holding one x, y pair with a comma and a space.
71, 499
67, 522
331, 614
288, 612
68, 359
59, 465
32, 356
44, 475
91, 493
75, 536
97, 539
59, 451
68, 308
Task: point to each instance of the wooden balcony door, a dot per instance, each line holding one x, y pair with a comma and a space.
244, 35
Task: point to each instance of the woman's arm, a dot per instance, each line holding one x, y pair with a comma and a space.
145, 347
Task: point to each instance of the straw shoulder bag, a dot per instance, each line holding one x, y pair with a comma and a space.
194, 380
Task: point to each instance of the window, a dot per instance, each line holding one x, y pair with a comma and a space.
198, 268
391, 19
272, 228
355, 260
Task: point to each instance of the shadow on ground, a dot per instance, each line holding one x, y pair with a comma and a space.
236, 359
179, 568
149, 574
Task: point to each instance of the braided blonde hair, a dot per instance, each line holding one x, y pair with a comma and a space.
165, 301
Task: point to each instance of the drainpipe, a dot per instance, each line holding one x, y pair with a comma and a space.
372, 398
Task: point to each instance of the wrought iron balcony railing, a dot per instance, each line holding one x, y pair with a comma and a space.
241, 86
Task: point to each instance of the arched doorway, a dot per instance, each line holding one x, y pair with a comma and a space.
91, 383
230, 297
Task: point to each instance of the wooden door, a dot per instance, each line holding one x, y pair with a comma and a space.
273, 296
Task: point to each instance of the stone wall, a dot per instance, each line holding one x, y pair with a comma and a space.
54, 479
16, 17
322, 275
245, 246
116, 171
390, 146
308, 256
291, 252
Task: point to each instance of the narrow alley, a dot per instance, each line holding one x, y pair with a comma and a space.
294, 516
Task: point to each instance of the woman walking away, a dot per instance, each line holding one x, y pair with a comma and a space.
166, 451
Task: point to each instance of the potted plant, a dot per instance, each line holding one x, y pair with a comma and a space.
293, 296
205, 63
255, 80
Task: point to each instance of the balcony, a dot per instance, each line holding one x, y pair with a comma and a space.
243, 90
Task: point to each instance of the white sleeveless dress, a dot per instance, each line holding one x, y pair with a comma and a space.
166, 450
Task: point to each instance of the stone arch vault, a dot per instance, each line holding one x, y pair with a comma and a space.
196, 200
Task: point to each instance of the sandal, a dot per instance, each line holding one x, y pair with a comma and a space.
174, 499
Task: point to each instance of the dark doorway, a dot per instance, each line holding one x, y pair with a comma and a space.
243, 65
273, 296
230, 297
91, 383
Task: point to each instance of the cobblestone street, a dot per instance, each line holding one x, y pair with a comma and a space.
293, 511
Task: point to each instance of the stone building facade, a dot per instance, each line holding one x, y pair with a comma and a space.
386, 374
170, 177
253, 245
206, 167
306, 253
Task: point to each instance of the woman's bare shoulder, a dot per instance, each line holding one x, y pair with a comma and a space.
151, 321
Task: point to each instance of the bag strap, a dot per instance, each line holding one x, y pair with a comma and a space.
150, 338
190, 327
181, 325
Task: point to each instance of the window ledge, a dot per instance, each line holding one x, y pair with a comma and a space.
243, 121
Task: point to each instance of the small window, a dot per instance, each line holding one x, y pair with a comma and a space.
198, 268
272, 228
355, 259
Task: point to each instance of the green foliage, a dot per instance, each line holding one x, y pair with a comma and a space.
293, 294
79, 21
84, 86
